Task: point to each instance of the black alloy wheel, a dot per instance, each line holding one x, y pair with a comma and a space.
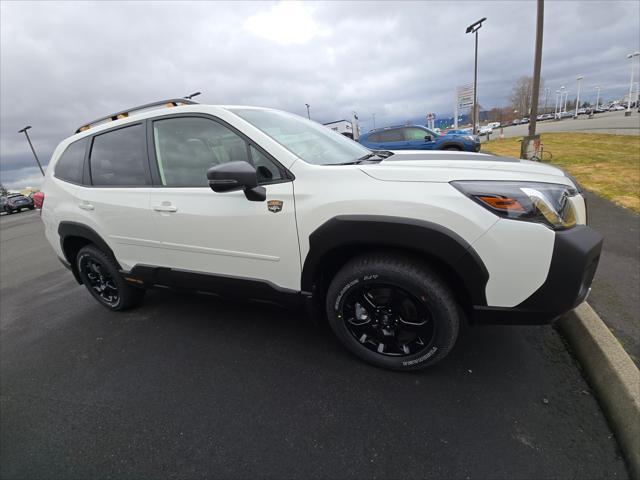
100, 273
388, 320
99, 280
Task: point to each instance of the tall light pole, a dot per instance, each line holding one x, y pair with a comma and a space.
562, 89
566, 97
555, 110
308, 114
579, 79
473, 28
631, 56
547, 91
597, 95
24, 130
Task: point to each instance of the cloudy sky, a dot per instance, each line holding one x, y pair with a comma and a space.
66, 63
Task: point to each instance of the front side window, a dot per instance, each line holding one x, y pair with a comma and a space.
413, 133
70, 166
187, 147
394, 135
310, 141
119, 158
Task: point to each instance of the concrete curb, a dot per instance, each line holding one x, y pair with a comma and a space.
612, 374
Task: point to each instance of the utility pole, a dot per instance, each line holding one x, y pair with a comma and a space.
525, 147
473, 28
308, 114
580, 77
24, 130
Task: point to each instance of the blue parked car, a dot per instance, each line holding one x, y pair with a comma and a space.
417, 137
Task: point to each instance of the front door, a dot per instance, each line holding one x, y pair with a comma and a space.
419, 139
223, 234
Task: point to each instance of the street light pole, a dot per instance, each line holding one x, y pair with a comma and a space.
597, 95
580, 77
630, 57
308, 114
473, 28
24, 130
555, 110
566, 97
547, 91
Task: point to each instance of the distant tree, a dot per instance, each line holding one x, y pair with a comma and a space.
521, 95
3, 190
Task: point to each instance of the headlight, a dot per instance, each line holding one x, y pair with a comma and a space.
546, 203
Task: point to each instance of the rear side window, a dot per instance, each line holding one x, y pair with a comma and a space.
71, 164
119, 158
391, 135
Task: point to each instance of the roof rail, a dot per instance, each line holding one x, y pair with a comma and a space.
172, 102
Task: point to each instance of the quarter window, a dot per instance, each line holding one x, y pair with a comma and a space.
70, 166
187, 147
118, 158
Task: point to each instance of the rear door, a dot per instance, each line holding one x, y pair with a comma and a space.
114, 199
392, 139
223, 234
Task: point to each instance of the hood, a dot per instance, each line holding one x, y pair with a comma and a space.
446, 166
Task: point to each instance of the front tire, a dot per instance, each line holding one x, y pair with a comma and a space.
393, 312
99, 273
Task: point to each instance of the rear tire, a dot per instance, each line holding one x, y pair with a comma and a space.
393, 312
99, 273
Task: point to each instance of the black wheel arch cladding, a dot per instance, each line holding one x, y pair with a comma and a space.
422, 237
73, 236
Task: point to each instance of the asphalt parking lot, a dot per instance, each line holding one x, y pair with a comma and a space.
607, 122
192, 386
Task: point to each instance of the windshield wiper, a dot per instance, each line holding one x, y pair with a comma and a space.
364, 158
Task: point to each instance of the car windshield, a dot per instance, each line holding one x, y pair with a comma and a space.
312, 142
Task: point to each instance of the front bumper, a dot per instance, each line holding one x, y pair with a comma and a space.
576, 253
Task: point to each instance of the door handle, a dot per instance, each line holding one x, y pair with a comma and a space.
165, 208
86, 206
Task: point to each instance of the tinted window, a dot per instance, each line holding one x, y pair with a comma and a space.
394, 135
374, 137
119, 158
70, 165
187, 147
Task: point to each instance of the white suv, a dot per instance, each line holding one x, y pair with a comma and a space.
395, 248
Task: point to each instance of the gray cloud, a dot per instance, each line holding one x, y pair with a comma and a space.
66, 63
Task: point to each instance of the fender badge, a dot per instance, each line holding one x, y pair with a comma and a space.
274, 206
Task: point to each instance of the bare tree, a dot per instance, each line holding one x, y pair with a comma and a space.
521, 95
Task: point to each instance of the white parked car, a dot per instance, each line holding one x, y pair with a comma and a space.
485, 130
395, 249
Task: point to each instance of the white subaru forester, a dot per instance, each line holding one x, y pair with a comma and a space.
396, 248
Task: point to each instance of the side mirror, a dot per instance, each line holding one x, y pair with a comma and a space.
234, 176
428, 138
